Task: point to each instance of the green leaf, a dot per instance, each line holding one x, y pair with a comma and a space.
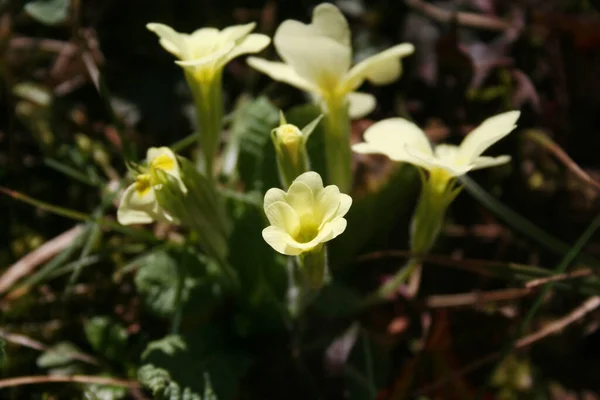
157, 280
106, 337
104, 392
196, 366
60, 357
48, 12
252, 127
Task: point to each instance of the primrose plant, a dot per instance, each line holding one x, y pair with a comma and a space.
306, 213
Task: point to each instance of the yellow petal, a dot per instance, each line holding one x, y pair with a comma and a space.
301, 198
312, 180
430, 162
360, 104
486, 162
272, 196
338, 226
381, 69
345, 204
251, 44
236, 33
485, 135
330, 22
281, 72
317, 58
135, 208
282, 215
172, 41
207, 57
327, 204
390, 136
280, 241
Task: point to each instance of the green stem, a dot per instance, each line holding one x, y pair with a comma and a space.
314, 264
390, 287
338, 153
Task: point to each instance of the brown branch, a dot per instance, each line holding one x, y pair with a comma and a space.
579, 273
43, 253
49, 45
475, 298
462, 18
97, 380
552, 328
26, 341
556, 326
563, 157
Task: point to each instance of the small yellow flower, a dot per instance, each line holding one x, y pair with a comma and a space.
138, 203
305, 217
318, 57
401, 140
206, 51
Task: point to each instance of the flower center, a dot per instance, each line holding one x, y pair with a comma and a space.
163, 162
309, 228
142, 184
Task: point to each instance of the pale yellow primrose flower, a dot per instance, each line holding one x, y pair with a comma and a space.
138, 203
205, 51
401, 140
305, 217
318, 57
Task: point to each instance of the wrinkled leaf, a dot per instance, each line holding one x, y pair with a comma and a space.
106, 337
193, 366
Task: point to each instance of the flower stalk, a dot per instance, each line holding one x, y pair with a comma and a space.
208, 101
338, 154
315, 268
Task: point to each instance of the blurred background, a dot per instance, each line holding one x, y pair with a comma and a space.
73, 74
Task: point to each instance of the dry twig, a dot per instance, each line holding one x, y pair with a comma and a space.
25, 265
97, 380
549, 329
462, 18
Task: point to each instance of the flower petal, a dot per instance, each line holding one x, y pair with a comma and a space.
430, 162
171, 40
327, 204
330, 22
360, 104
136, 209
390, 136
338, 226
281, 72
381, 69
489, 132
345, 204
312, 180
282, 215
236, 33
486, 162
273, 195
253, 43
301, 198
204, 57
317, 58
280, 241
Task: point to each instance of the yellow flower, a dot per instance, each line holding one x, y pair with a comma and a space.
401, 140
138, 203
318, 57
205, 52
305, 217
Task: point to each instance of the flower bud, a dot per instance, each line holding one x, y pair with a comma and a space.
290, 146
